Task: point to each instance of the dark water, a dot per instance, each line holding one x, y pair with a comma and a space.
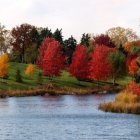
64, 118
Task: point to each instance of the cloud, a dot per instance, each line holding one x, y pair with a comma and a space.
74, 17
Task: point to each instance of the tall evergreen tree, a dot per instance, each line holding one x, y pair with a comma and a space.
68, 48
43, 33
85, 40
58, 36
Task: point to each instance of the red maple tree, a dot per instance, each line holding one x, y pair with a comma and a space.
42, 50
100, 66
53, 60
79, 65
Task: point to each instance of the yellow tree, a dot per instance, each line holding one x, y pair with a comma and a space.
29, 70
120, 35
4, 66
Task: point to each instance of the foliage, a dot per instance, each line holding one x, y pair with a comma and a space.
134, 87
57, 35
68, 48
5, 39
118, 60
22, 39
29, 70
31, 54
18, 76
100, 66
42, 50
43, 33
120, 35
79, 66
85, 40
125, 102
103, 40
4, 66
133, 67
128, 46
53, 60
127, 96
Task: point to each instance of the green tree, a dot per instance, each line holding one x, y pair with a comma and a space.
85, 40
43, 33
3, 33
58, 35
118, 60
68, 48
31, 54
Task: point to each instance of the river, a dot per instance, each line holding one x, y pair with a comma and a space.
64, 118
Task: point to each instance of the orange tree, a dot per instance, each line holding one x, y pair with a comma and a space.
4, 66
29, 70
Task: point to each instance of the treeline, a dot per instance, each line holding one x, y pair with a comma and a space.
99, 57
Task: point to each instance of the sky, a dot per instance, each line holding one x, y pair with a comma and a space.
75, 17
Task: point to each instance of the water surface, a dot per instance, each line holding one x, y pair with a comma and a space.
64, 118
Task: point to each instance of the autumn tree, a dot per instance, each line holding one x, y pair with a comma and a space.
120, 35
22, 39
68, 48
53, 60
29, 70
100, 66
132, 47
4, 66
79, 66
42, 50
103, 40
132, 65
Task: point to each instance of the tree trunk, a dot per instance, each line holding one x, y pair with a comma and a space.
114, 80
22, 58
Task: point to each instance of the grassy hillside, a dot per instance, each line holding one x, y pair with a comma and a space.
64, 80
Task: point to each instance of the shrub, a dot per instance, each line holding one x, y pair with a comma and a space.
18, 76
29, 70
134, 87
125, 102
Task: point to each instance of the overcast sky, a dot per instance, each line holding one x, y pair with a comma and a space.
74, 16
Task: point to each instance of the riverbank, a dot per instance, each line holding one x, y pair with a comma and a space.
55, 90
64, 80
125, 102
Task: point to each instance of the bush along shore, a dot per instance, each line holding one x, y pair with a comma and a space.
125, 102
52, 89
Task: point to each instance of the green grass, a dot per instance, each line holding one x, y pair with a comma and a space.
63, 80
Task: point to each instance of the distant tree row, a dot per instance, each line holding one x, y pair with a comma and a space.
100, 57
23, 41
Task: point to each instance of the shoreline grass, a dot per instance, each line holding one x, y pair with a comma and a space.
125, 102
64, 84
52, 89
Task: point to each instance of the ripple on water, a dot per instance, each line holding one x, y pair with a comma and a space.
64, 118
